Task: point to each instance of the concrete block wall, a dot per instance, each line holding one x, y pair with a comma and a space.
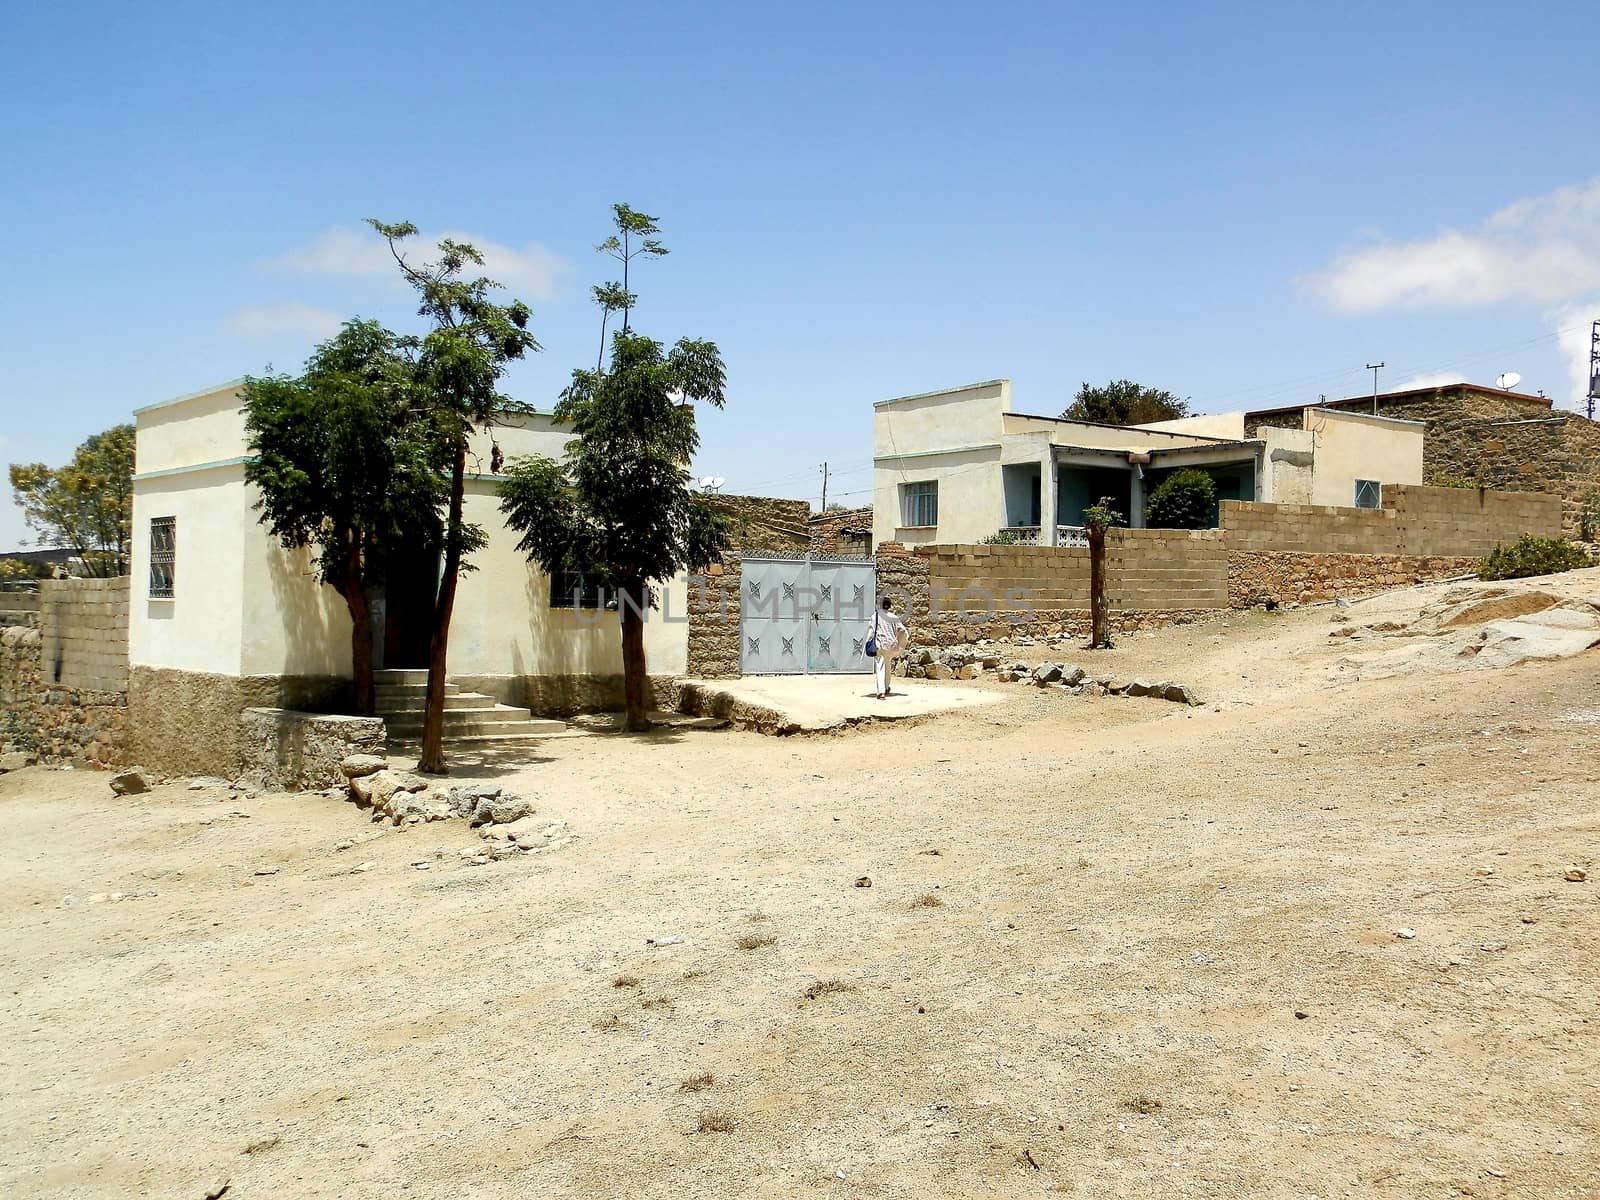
18, 608
83, 624
1415, 520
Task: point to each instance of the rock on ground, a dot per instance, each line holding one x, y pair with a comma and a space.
131, 782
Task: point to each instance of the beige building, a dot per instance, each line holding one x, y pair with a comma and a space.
958, 466
222, 617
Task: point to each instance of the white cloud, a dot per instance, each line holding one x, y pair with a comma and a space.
349, 253
1545, 249
1430, 379
1574, 331
267, 321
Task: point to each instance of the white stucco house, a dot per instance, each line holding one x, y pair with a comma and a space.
223, 618
959, 465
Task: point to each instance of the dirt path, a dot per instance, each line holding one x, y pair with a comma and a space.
1134, 901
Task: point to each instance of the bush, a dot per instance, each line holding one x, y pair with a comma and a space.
1002, 537
1533, 556
1453, 481
1184, 500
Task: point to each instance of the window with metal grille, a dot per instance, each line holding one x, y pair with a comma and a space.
919, 504
163, 556
1369, 493
569, 589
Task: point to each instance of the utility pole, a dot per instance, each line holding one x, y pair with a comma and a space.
824, 487
1373, 367
1594, 368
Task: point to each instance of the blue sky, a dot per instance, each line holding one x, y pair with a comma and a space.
1241, 203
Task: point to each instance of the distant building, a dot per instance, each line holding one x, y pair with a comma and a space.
1509, 441
957, 466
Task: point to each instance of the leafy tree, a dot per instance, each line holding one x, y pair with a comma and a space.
618, 508
456, 379
14, 568
1098, 518
345, 465
87, 505
1123, 402
1183, 500
1530, 555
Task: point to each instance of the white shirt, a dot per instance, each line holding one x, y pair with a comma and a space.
889, 631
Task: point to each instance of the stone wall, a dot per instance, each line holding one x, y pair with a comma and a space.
765, 522
187, 722
82, 726
842, 531
1414, 521
1468, 437
85, 627
1283, 577
292, 751
563, 696
18, 607
714, 610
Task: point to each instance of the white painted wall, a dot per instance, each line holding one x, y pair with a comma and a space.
1217, 425
200, 628
1289, 457
205, 427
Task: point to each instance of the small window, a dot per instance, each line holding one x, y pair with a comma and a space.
919, 503
1369, 493
569, 589
163, 556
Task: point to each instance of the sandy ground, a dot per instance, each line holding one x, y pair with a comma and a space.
1131, 904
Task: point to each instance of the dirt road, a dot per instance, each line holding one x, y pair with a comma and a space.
1111, 947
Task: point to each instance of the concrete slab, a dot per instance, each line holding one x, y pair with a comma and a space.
812, 703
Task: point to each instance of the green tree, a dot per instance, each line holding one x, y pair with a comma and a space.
618, 509
1123, 402
1098, 518
459, 363
87, 505
1183, 500
346, 465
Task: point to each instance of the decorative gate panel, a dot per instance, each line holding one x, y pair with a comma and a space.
805, 615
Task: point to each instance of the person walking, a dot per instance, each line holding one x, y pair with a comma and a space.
892, 637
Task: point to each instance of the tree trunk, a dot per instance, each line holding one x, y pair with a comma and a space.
432, 757
355, 599
636, 710
1099, 635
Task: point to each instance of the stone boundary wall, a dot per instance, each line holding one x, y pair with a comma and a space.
563, 696
714, 611
289, 751
1282, 576
82, 726
1414, 521
85, 627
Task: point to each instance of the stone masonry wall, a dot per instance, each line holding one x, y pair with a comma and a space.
85, 627
714, 620
1468, 437
765, 522
842, 531
1283, 577
82, 726
295, 751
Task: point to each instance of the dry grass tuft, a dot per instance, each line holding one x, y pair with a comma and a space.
697, 1083
756, 918
751, 942
712, 1121
932, 853
1145, 1106
626, 981
695, 973
927, 900
262, 1145
656, 1002
609, 1024
828, 987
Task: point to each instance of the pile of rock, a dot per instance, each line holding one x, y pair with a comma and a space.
503, 819
951, 662
1073, 679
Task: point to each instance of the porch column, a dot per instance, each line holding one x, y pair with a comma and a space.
1047, 498
1135, 498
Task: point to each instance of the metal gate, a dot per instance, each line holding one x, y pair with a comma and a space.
805, 615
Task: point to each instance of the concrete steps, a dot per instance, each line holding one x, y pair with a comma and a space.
470, 718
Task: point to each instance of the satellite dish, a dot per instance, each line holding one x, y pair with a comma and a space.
1507, 381
711, 483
